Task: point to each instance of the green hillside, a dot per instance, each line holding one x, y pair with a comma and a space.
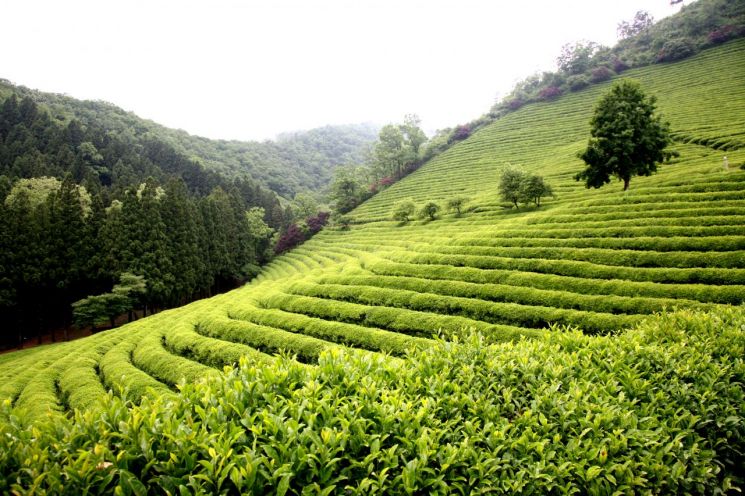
600, 260
597, 259
294, 162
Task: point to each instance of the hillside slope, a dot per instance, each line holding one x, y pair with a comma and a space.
297, 161
597, 259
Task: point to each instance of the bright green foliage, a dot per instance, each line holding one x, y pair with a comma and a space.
304, 205
510, 183
628, 139
429, 211
39, 188
664, 400
517, 186
657, 409
456, 205
533, 188
403, 210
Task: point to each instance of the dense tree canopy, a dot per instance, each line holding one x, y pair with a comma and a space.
641, 22
292, 163
628, 139
81, 205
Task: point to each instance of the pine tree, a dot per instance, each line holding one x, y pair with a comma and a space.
181, 218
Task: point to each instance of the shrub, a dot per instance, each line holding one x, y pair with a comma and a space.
343, 222
675, 49
316, 222
515, 103
292, 237
619, 66
725, 33
403, 210
386, 181
460, 133
550, 93
578, 82
657, 409
600, 74
456, 205
429, 210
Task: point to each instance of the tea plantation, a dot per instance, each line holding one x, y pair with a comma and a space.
480, 386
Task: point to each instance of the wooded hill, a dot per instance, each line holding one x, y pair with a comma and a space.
294, 162
75, 178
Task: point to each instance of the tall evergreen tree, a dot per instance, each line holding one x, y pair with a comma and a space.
181, 220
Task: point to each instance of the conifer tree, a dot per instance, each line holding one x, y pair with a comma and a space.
180, 218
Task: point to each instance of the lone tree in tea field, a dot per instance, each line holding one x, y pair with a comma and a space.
403, 210
628, 139
517, 187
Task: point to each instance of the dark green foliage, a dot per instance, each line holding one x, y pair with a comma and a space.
675, 49
294, 162
346, 189
97, 309
509, 185
429, 211
533, 188
628, 139
516, 186
138, 211
656, 410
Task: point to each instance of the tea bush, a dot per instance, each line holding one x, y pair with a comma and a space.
657, 409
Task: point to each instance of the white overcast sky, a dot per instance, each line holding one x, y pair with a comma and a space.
251, 69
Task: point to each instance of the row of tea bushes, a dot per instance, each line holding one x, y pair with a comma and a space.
657, 409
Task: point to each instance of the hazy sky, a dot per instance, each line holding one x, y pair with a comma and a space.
251, 69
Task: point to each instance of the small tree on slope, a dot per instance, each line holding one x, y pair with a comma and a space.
627, 138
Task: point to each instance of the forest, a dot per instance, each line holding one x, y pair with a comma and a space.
80, 205
295, 162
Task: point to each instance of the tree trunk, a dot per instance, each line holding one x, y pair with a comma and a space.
112, 322
65, 334
626, 181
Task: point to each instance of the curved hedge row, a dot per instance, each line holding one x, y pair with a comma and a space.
654, 410
518, 315
581, 269
732, 294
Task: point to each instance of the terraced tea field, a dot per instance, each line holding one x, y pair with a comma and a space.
600, 260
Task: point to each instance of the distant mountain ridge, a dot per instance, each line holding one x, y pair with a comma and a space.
297, 161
